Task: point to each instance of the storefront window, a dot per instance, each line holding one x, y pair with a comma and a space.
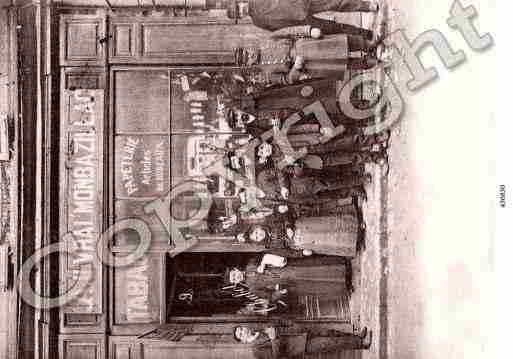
141, 102
170, 127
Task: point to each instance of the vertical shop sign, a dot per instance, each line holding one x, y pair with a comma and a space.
81, 195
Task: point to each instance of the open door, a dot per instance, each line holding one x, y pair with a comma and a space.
199, 287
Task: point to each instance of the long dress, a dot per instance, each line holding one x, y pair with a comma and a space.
333, 231
314, 276
331, 235
330, 230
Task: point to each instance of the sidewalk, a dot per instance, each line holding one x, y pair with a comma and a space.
370, 300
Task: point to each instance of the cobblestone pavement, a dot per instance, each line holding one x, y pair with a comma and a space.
425, 288
371, 304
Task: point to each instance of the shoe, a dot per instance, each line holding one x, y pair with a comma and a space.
384, 54
367, 178
384, 164
383, 136
358, 140
380, 158
380, 142
386, 169
367, 34
367, 62
344, 201
377, 42
380, 20
359, 192
367, 343
376, 148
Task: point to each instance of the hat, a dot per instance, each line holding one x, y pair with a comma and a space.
229, 164
232, 9
231, 118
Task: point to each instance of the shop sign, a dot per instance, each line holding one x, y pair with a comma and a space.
137, 291
82, 171
142, 166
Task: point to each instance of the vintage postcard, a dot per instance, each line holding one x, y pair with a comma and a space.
228, 179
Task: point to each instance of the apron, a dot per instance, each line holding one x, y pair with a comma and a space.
330, 235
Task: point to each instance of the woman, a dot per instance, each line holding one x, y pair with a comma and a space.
275, 239
314, 276
333, 233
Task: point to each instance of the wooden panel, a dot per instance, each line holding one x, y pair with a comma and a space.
123, 40
193, 40
213, 346
4, 266
76, 323
123, 348
26, 97
72, 319
85, 346
161, 40
162, 352
81, 40
81, 191
76, 80
140, 3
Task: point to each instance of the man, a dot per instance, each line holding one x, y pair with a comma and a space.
288, 184
308, 132
296, 54
314, 100
278, 14
308, 190
268, 343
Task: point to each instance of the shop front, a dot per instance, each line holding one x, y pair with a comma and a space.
142, 114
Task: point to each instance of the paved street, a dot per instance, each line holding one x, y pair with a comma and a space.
434, 245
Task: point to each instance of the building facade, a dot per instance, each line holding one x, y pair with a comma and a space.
110, 105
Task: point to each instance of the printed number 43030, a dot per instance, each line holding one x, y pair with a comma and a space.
502, 195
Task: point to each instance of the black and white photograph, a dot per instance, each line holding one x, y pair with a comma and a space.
252, 179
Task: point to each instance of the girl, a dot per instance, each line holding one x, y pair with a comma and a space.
331, 234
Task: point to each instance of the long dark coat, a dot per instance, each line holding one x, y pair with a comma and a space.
315, 276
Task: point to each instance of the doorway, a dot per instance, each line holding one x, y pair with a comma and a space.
314, 288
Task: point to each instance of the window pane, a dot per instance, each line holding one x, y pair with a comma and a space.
135, 209
141, 101
194, 155
200, 98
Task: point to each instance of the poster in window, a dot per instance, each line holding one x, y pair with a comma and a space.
141, 166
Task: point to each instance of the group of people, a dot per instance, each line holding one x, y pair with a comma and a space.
309, 158
309, 161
